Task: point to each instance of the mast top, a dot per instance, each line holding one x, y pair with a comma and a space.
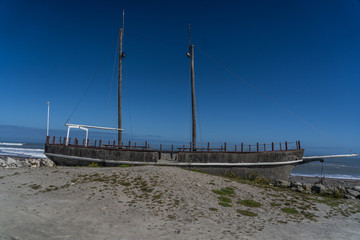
123, 20
189, 36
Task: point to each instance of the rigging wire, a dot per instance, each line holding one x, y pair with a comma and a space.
112, 82
270, 98
128, 103
91, 82
187, 129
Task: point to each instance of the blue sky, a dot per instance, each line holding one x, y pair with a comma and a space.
302, 55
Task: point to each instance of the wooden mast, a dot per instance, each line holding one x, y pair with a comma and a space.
191, 53
121, 55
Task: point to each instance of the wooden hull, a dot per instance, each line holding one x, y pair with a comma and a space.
272, 165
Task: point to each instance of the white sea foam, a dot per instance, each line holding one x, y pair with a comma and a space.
11, 144
338, 176
22, 152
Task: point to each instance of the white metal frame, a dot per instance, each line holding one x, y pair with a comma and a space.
85, 128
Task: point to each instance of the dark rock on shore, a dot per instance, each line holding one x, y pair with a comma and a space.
22, 162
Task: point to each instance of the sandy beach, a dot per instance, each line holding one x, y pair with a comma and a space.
162, 203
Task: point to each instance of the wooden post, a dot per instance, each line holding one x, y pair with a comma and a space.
114, 144
272, 146
54, 140
119, 83
242, 147
87, 142
224, 146
280, 146
191, 52
208, 147
264, 147
95, 142
129, 144
172, 151
76, 142
286, 146
257, 147
145, 144
299, 144
235, 147
100, 143
47, 139
249, 148
64, 141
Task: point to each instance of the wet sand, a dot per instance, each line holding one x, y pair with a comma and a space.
161, 203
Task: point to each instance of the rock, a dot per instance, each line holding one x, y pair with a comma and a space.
341, 189
14, 162
2, 162
307, 187
347, 196
353, 193
295, 184
356, 188
318, 188
282, 183
300, 188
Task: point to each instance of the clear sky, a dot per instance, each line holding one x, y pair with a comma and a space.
301, 55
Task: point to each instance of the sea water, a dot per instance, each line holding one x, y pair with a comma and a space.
22, 149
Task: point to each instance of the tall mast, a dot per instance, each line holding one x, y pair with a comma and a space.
121, 55
191, 53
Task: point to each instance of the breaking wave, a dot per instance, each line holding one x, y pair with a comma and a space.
22, 152
338, 176
11, 144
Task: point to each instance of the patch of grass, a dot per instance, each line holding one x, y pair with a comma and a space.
213, 209
224, 199
156, 196
35, 186
1, 177
249, 203
273, 204
124, 165
224, 204
126, 184
247, 213
308, 215
16, 174
93, 164
289, 210
225, 191
331, 202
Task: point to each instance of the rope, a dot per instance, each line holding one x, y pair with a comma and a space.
90, 84
198, 116
128, 103
187, 110
271, 99
112, 82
